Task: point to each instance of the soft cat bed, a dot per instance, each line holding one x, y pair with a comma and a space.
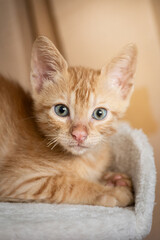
33, 221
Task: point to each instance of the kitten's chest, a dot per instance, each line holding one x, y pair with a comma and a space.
94, 164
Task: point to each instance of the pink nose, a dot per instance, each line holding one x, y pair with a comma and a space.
79, 133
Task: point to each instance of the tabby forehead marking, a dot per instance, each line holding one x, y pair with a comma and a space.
83, 89
76, 109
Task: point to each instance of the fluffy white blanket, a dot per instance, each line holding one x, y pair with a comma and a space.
133, 155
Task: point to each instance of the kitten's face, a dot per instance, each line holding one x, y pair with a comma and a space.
75, 112
78, 107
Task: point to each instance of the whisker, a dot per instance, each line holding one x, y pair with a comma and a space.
51, 142
54, 145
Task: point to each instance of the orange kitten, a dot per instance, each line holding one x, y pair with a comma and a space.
54, 148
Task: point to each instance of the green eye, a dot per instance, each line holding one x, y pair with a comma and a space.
99, 113
61, 110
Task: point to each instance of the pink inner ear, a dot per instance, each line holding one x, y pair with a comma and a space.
46, 62
42, 72
121, 77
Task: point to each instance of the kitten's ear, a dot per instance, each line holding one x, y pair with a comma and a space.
120, 72
46, 63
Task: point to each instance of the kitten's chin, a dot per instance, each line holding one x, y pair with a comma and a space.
77, 150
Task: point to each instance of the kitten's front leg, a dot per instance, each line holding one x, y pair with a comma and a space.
70, 189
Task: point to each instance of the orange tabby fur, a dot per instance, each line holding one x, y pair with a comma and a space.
65, 171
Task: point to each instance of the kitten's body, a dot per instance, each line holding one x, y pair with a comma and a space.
25, 157
31, 171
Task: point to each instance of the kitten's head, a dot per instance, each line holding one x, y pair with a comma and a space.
78, 107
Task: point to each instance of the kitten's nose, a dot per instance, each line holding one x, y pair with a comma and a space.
79, 133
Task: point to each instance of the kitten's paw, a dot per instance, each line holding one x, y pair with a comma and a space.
119, 196
124, 196
116, 179
120, 187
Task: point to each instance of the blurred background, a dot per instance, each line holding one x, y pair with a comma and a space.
90, 33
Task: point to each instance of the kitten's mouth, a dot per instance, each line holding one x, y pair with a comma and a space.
78, 146
78, 149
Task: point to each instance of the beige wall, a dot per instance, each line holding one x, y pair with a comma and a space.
15, 41
90, 33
